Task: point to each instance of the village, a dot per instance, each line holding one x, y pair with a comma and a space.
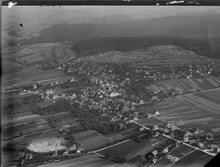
109, 99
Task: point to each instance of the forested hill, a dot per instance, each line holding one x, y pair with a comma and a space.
101, 45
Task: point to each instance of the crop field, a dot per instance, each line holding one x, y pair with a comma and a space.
181, 151
121, 135
21, 119
188, 84
149, 121
90, 139
206, 102
91, 160
185, 156
25, 129
196, 159
35, 52
33, 75
213, 96
130, 148
17, 60
191, 111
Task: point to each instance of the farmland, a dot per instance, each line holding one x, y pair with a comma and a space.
88, 161
23, 65
186, 112
213, 96
31, 75
196, 159
131, 148
186, 85
184, 156
77, 95
90, 139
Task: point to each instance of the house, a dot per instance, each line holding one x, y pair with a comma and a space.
114, 94
157, 112
165, 151
185, 139
209, 136
78, 151
201, 145
155, 153
155, 127
199, 131
166, 130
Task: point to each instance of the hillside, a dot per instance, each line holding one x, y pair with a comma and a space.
163, 54
100, 45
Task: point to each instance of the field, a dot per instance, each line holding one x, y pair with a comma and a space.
122, 134
91, 160
90, 139
184, 156
213, 96
187, 85
195, 159
21, 64
36, 52
181, 151
149, 121
191, 110
130, 148
31, 75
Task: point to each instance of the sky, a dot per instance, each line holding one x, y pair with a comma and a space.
36, 18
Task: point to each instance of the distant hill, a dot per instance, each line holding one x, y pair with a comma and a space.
198, 28
124, 44
163, 54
